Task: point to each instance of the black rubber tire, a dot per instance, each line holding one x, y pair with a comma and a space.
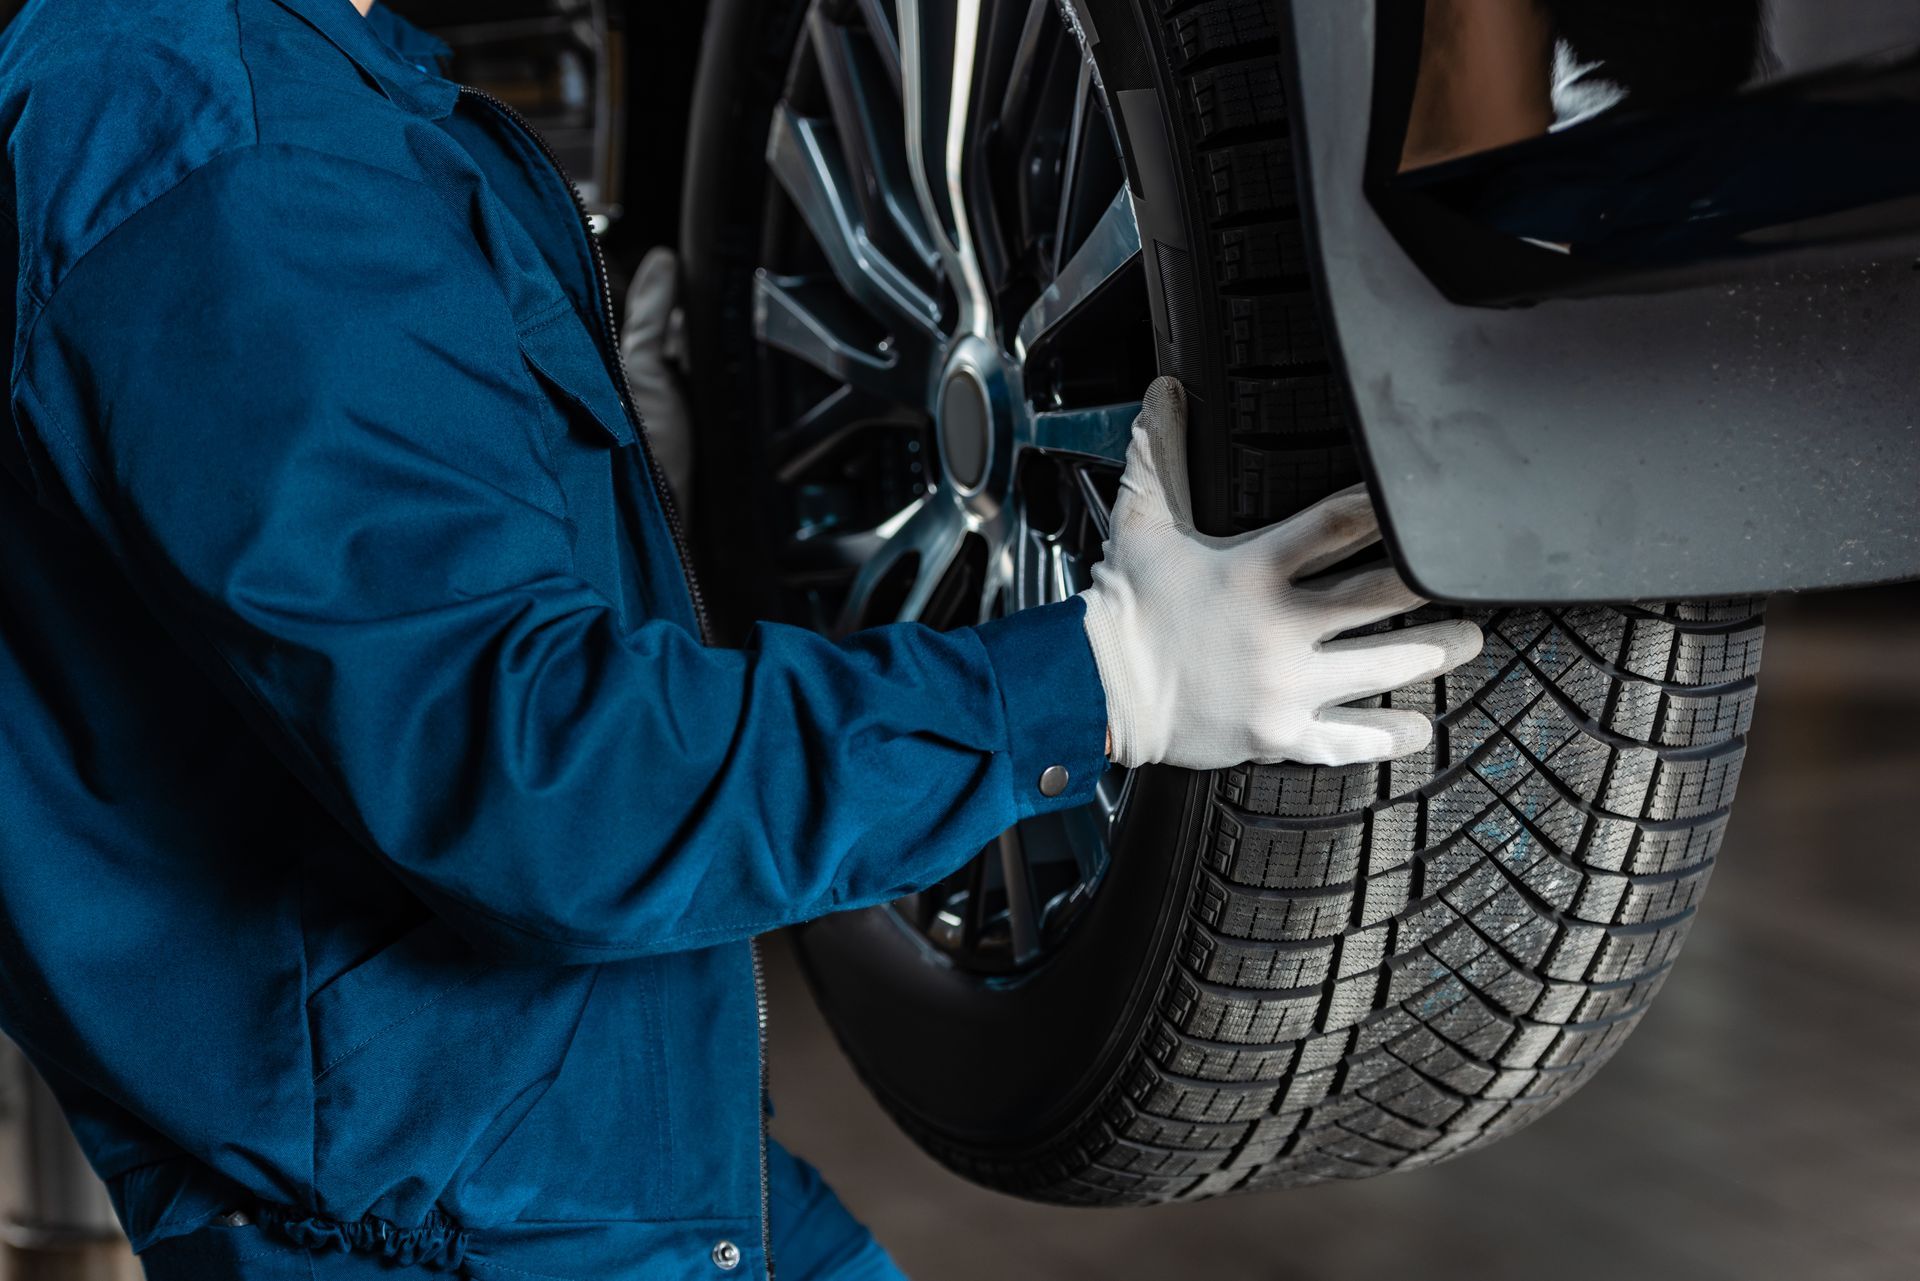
1290, 973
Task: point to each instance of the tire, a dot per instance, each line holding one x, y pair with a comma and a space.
1282, 974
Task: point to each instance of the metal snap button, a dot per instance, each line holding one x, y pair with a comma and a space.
726, 1256
1053, 780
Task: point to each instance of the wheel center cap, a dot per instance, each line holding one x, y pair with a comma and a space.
966, 426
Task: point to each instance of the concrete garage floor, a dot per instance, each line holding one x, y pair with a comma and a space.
1763, 1122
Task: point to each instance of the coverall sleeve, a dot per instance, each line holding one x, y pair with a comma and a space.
289, 398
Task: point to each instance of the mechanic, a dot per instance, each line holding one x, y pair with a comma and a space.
380, 842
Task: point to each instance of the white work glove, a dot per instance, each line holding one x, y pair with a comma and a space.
647, 350
1213, 653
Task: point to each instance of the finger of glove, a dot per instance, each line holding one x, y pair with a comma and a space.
1367, 665
1154, 484
1352, 735
1357, 599
1324, 534
650, 300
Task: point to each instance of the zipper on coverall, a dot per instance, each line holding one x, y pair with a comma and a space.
610, 343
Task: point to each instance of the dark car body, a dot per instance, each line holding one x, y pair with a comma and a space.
1733, 424
1711, 418
1723, 401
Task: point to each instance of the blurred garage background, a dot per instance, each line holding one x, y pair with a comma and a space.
1764, 1123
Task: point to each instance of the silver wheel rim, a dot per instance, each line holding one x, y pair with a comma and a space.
953, 308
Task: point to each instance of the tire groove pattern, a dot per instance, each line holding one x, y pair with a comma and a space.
1380, 967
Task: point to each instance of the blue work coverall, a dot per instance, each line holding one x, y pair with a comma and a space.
380, 845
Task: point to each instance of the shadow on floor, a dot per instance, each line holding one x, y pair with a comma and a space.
1763, 1123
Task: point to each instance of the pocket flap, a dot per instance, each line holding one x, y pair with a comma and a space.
561, 351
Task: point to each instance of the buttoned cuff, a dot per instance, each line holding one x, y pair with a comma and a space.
1056, 710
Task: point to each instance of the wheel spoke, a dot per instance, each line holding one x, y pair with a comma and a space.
1095, 503
1110, 793
999, 575
930, 529
807, 161
976, 912
926, 72
788, 315
1053, 569
1063, 574
885, 39
938, 43
1072, 164
831, 554
796, 450
866, 118
1113, 244
1099, 431
938, 547
1025, 75
1023, 916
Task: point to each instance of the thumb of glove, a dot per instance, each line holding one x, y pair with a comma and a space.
656, 388
650, 300
1154, 484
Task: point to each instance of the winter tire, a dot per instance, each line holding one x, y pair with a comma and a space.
1204, 983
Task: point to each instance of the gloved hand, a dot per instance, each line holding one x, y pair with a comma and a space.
1213, 653
647, 349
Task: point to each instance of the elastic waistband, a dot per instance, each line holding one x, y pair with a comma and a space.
249, 1253
436, 1244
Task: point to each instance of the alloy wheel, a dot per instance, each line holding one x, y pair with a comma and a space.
952, 321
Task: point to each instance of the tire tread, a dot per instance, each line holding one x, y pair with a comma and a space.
1379, 967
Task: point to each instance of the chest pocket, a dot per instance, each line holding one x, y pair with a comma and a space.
568, 360
590, 447
623, 543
